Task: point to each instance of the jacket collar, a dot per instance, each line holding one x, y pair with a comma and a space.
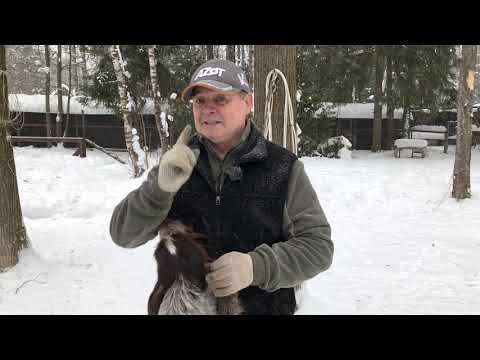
254, 150
253, 146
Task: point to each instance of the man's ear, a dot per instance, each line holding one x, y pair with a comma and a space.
249, 102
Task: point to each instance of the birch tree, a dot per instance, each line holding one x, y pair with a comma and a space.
157, 99
67, 122
58, 120
47, 93
125, 108
13, 236
83, 66
75, 68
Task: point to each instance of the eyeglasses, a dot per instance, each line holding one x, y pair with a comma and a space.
218, 100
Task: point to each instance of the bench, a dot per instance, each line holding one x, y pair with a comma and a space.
417, 146
433, 132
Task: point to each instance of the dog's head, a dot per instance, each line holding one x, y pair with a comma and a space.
180, 254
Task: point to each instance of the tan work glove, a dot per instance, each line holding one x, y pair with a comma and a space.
177, 164
230, 273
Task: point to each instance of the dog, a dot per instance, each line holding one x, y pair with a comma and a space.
181, 288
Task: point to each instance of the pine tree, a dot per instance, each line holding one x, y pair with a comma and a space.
421, 75
24, 68
58, 120
390, 99
47, 93
377, 112
175, 66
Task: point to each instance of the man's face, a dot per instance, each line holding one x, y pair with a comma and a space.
220, 116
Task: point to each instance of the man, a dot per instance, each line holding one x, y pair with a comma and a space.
250, 197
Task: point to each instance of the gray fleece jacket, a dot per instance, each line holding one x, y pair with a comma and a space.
307, 251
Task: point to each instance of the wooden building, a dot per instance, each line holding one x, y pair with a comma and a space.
102, 125
355, 122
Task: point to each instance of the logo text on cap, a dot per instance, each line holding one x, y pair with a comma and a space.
241, 77
208, 71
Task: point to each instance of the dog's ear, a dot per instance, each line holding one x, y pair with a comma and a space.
155, 299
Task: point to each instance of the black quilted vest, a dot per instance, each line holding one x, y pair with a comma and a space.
245, 214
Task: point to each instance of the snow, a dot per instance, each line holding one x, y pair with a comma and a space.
344, 153
164, 123
142, 157
36, 104
355, 111
428, 135
429, 128
402, 245
402, 143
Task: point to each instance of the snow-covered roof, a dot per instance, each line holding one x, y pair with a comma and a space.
36, 104
355, 111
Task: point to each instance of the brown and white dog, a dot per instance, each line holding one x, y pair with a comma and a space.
181, 288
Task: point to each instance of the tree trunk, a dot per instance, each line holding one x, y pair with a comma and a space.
377, 112
58, 120
84, 68
466, 85
156, 99
13, 236
126, 113
390, 103
67, 122
269, 57
75, 69
231, 53
251, 66
239, 54
411, 74
209, 52
47, 94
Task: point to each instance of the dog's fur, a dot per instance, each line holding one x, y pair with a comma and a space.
181, 288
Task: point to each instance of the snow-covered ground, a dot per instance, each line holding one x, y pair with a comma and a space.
402, 245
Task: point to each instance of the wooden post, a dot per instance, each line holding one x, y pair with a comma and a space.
354, 135
83, 146
83, 124
445, 142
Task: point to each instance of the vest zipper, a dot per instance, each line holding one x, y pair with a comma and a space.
218, 202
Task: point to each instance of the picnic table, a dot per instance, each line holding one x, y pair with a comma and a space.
417, 146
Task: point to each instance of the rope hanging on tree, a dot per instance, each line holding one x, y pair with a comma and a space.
270, 88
